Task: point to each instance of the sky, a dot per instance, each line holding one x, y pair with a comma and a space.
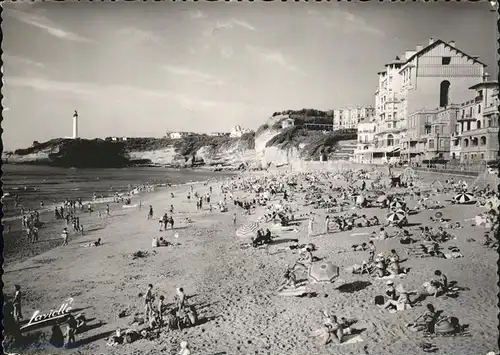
141, 69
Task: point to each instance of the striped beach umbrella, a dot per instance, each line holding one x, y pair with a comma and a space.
323, 272
397, 204
396, 216
249, 230
463, 198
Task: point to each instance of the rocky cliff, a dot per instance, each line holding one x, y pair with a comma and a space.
269, 146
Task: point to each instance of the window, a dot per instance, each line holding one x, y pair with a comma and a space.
444, 92
466, 143
465, 157
478, 108
446, 60
453, 156
483, 140
472, 156
390, 140
478, 124
431, 144
456, 142
436, 129
468, 126
489, 123
475, 142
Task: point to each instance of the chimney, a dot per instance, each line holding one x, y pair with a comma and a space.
431, 40
451, 43
419, 48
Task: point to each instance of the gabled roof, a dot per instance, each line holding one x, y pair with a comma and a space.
435, 44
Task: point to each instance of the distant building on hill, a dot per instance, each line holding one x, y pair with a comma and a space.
350, 117
288, 122
178, 135
218, 134
237, 131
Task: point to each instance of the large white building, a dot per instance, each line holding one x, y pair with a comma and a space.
428, 78
349, 117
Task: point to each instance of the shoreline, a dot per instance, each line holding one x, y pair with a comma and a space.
53, 227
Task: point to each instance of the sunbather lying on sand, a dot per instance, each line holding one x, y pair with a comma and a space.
94, 244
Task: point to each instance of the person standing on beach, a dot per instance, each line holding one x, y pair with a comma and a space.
148, 299
71, 330
327, 224
65, 236
107, 210
171, 208
234, 218
89, 207
310, 226
151, 213
372, 249
140, 205
17, 304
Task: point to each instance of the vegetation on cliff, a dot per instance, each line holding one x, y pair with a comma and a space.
147, 144
188, 146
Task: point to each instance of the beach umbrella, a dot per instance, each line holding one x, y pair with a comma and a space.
397, 204
396, 216
323, 272
249, 230
463, 197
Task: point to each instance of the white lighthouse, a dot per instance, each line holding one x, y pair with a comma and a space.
75, 125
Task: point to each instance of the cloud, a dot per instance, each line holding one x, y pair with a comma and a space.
21, 60
46, 25
134, 34
194, 75
227, 25
98, 92
197, 15
345, 21
272, 56
226, 52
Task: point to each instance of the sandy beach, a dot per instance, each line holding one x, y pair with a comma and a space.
234, 289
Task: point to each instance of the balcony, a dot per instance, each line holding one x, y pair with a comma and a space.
478, 99
480, 132
456, 134
466, 118
490, 110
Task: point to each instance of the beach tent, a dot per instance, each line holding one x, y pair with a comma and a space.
249, 230
463, 198
396, 216
323, 272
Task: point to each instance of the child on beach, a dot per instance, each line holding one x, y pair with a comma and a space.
150, 213
65, 236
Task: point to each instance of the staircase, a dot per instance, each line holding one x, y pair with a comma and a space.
344, 151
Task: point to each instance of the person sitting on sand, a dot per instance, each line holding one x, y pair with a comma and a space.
306, 258
394, 255
383, 234
402, 303
442, 281
334, 328
426, 321
374, 221
390, 291
372, 249
289, 280
379, 269
394, 268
